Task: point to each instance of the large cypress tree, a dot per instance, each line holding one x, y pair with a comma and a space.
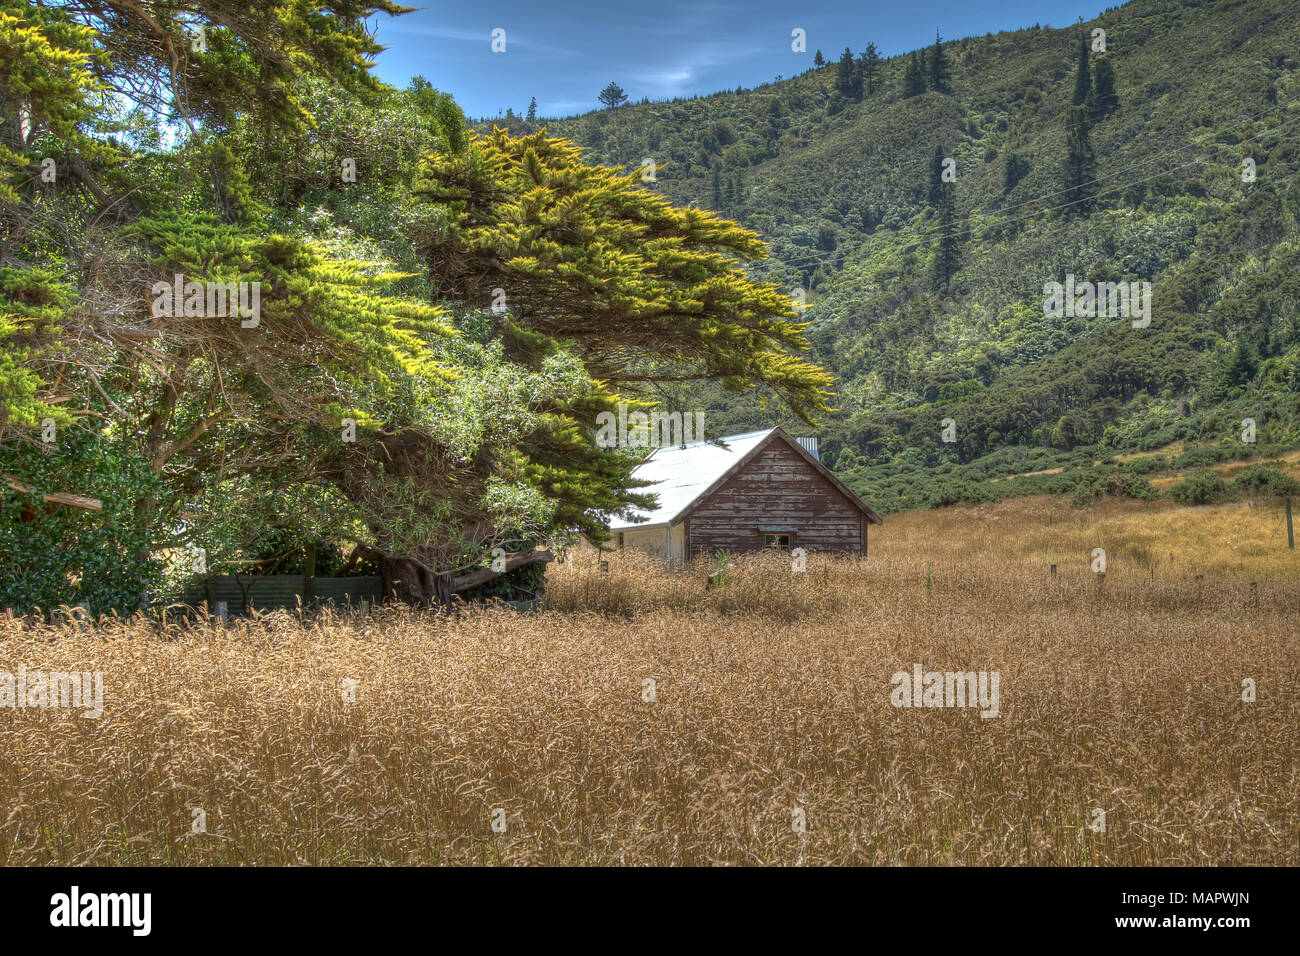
624, 278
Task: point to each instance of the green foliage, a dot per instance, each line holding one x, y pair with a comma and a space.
33, 305
848, 78
636, 287
1200, 488
869, 70
612, 96
1093, 486
236, 61
960, 492
47, 81
51, 554
719, 564
940, 73
1080, 160
1266, 479
1082, 74
914, 78
1014, 168
1105, 100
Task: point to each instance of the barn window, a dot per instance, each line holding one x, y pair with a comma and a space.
782, 541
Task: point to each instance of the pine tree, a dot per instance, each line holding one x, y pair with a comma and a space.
869, 69
819, 60
1241, 365
1104, 98
1082, 77
940, 72
532, 110
943, 199
947, 254
717, 186
612, 96
913, 77
1080, 160
1014, 168
844, 75
937, 185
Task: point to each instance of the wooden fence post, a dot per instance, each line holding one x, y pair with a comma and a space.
309, 578
1290, 529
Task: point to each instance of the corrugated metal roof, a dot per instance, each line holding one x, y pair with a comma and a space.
681, 474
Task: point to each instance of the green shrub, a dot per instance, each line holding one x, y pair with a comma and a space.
1200, 488
52, 554
1145, 466
1123, 485
1092, 488
1266, 479
1088, 491
959, 492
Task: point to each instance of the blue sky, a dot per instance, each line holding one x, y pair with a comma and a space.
564, 52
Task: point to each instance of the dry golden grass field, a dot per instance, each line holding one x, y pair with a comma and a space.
771, 695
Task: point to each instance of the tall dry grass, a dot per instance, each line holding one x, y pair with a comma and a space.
772, 693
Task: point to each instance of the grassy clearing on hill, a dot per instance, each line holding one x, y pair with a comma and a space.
772, 693
1159, 540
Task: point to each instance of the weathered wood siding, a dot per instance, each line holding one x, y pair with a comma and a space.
776, 487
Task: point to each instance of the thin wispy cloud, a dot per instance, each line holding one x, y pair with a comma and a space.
564, 52
482, 37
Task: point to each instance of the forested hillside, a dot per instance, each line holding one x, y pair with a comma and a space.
1119, 160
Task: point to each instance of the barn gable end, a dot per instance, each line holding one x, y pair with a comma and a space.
776, 490
736, 494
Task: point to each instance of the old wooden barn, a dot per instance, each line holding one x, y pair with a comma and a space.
742, 493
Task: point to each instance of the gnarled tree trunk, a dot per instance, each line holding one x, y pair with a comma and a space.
408, 579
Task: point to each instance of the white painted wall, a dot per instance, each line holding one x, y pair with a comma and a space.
655, 541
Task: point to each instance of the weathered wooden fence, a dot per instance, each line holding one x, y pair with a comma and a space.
242, 593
